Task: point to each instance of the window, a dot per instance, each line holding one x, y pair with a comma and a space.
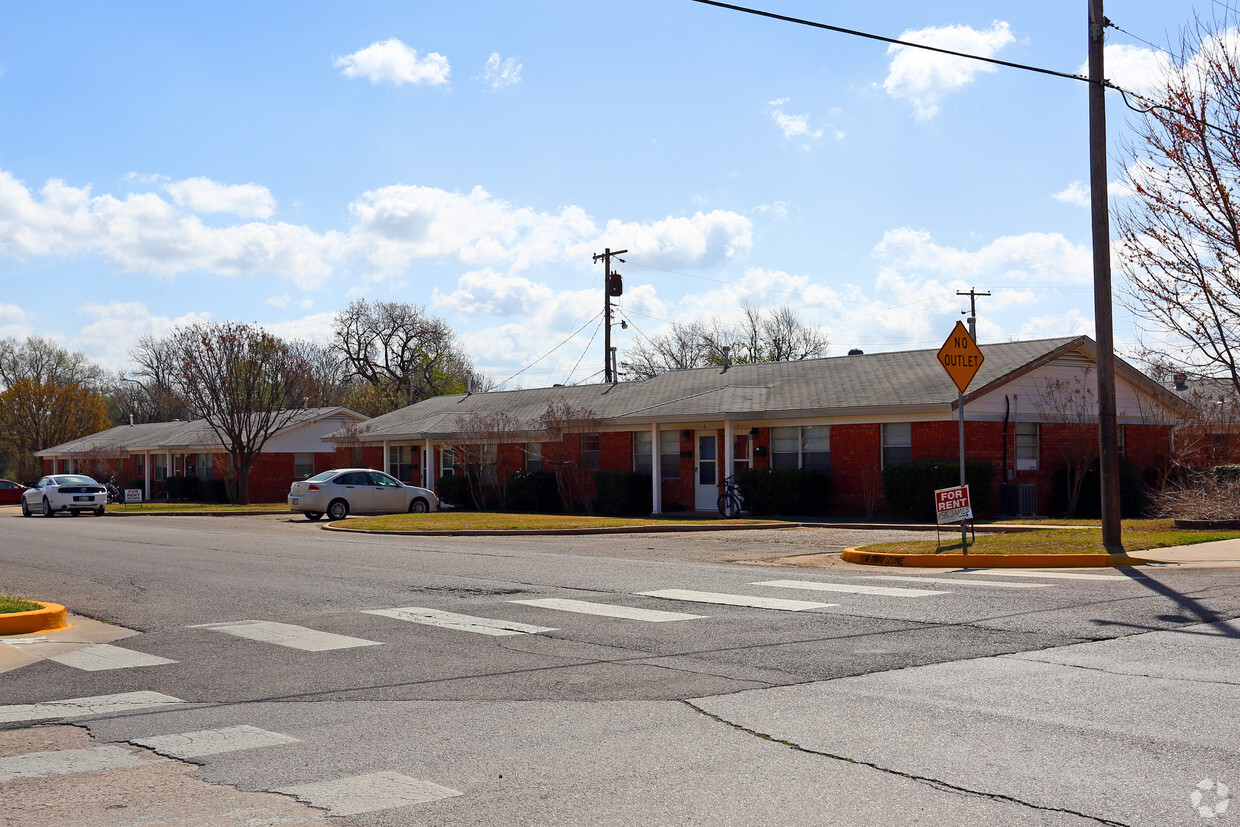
741, 458
399, 464
1026, 446
447, 461
589, 452
359, 457
159, 466
897, 442
1119, 436
808, 446
533, 456
138, 467
669, 453
489, 464
202, 466
303, 465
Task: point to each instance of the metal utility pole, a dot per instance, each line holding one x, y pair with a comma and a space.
612, 286
1108, 439
972, 294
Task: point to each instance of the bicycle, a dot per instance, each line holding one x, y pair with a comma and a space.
731, 504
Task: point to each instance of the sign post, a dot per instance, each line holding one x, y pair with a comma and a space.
961, 358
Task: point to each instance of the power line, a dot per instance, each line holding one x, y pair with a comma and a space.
583, 353
855, 33
549, 352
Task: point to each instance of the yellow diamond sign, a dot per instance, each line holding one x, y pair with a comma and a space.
960, 357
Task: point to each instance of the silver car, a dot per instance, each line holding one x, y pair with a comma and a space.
346, 491
74, 493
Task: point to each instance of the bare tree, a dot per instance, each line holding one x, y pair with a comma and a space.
560, 422
44, 361
481, 435
1073, 403
779, 335
246, 384
401, 352
1180, 230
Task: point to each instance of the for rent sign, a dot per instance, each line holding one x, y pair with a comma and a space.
951, 505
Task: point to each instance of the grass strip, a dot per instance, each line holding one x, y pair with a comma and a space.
157, 507
489, 521
8, 605
1137, 535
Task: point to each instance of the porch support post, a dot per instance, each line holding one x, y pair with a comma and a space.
428, 466
656, 471
387, 460
146, 475
729, 451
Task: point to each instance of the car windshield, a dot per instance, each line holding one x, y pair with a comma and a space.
323, 477
73, 479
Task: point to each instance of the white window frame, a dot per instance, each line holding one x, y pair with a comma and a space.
447, 461
669, 453
590, 458
533, 456
304, 459
801, 444
889, 440
1031, 438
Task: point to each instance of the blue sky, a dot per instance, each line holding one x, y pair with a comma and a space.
269, 162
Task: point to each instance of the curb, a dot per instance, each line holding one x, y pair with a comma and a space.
536, 532
994, 561
194, 513
48, 619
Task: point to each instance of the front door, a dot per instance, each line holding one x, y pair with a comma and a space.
706, 486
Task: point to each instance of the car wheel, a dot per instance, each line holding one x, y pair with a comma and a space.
25, 508
99, 511
418, 506
74, 512
337, 510
47, 509
314, 516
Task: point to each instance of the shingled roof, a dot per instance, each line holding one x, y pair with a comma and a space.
841, 385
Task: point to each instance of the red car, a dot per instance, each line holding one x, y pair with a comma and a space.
11, 492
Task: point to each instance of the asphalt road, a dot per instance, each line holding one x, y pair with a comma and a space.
985, 699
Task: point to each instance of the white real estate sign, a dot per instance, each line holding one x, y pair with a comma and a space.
133, 495
951, 505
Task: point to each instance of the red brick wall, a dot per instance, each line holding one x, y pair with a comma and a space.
856, 452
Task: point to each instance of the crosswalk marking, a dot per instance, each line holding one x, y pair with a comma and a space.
848, 588
737, 600
958, 580
462, 623
69, 761
286, 634
96, 705
213, 741
102, 656
1063, 575
367, 793
607, 610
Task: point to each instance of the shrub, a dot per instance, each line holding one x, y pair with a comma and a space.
214, 490
623, 493
909, 486
1133, 496
788, 491
455, 490
1199, 495
534, 491
184, 488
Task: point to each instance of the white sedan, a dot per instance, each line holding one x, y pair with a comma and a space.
74, 493
344, 491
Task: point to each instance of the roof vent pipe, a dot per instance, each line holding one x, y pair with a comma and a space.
131, 420
856, 352
727, 356
469, 385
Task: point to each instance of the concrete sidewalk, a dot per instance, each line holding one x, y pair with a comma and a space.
1219, 553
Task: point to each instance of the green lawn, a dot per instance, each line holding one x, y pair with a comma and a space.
8, 605
1137, 535
489, 521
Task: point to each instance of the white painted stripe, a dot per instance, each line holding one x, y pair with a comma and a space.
737, 600
286, 634
848, 588
106, 656
75, 707
213, 741
959, 580
1062, 575
69, 761
367, 793
607, 610
462, 623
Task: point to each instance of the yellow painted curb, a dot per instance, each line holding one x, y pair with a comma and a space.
991, 561
50, 618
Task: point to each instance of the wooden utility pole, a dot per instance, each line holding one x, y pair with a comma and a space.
972, 294
611, 287
1108, 439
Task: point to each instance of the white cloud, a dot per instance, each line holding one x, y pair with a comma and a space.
779, 209
924, 78
497, 73
794, 126
1040, 257
391, 61
1071, 323
204, 195
314, 328
283, 300
116, 328
1134, 68
1076, 193
14, 322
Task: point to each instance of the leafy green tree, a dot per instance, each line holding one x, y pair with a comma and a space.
36, 415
